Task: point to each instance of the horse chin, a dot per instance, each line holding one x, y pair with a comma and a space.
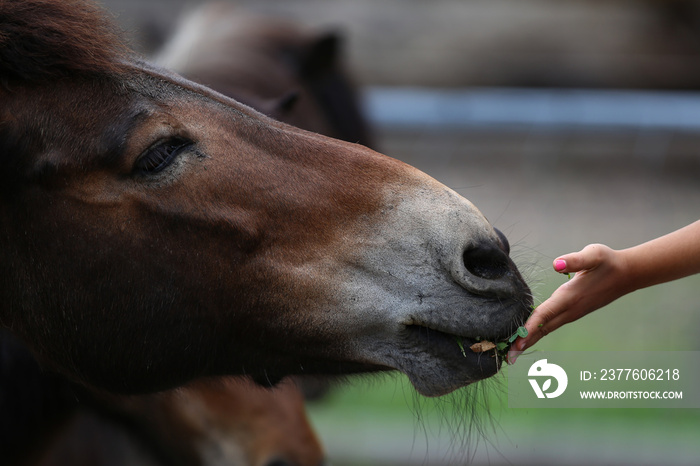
442, 365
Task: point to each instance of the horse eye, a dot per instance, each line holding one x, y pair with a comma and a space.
159, 157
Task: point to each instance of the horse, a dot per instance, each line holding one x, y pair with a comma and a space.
154, 231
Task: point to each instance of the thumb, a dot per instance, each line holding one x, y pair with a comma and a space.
588, 258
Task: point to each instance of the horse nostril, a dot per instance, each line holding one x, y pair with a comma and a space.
488, 262
504, 240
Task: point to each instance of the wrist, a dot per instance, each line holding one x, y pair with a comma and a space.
631, 270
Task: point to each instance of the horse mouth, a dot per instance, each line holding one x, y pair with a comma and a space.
456, 349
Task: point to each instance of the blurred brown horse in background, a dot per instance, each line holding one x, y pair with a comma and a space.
47, 421
276, 66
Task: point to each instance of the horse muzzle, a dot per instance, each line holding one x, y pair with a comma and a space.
435, 273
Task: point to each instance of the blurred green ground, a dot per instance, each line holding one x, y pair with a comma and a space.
551, 194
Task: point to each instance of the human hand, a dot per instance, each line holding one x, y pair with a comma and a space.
601, 276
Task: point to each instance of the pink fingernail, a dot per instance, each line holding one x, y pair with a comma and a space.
559, 265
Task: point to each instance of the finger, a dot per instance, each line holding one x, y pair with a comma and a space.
545, 329
534, 335
535, 332
588, 258
542, 314
544, 318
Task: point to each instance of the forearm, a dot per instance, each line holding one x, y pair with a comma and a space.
663, 259
603, 275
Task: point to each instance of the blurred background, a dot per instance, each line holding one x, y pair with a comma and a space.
566, 122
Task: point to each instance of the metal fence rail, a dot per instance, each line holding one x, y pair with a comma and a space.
556, 109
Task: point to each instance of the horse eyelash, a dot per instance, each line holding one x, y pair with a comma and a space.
160, 156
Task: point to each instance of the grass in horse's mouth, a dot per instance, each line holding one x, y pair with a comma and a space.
502, 347
466, 345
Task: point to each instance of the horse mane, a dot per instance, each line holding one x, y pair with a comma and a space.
43, 40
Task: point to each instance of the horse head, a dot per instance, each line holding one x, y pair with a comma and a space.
154, 231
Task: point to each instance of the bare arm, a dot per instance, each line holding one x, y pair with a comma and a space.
604, 274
